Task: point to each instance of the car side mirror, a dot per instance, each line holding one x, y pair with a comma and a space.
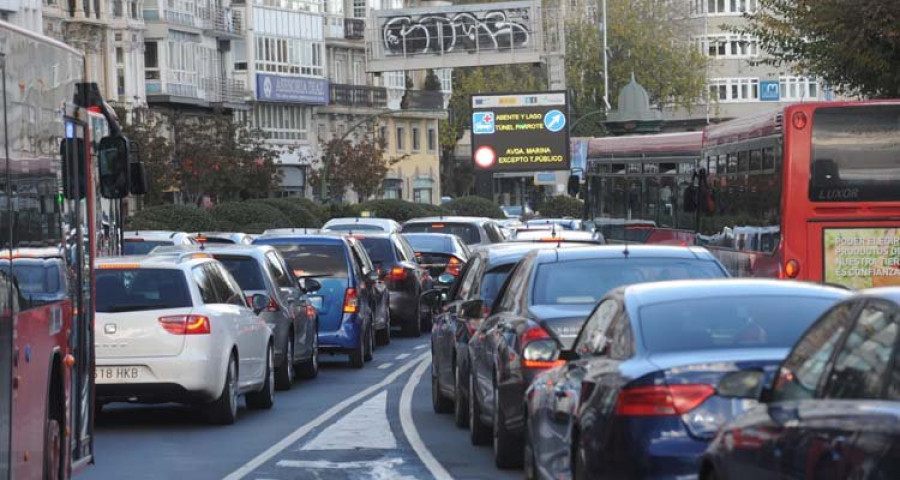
310, 285
472, 309
446, 279
259, 302
746, 384
432, 298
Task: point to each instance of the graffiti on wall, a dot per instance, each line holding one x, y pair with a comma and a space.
498, 30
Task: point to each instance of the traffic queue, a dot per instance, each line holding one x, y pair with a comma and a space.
570, 357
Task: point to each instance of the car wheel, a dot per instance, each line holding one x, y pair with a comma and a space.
383, 336
460, 400
479, 434
357, 356
439, 402
413, 328
426, 318
310, 368
223, 411
507, 448
284, 376
529, 464
265, 397
370, 344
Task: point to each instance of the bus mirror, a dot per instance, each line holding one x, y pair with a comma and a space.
689, 203
113, 166
574, 185
138, 185
71, 152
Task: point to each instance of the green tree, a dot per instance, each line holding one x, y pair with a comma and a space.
150, 146
853, 45
360, 166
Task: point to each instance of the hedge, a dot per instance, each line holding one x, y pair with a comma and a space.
474, 207
171, 217
399, 210
298, 214
561, 206
248, 217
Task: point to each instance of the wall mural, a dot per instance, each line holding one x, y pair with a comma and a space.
457, 32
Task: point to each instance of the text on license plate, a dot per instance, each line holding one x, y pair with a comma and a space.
122, 374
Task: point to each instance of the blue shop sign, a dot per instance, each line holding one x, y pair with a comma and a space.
276, 88
769, 91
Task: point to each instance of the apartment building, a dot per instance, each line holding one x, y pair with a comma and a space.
26, 14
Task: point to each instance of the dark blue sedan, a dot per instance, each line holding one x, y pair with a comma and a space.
833, 411
638, 399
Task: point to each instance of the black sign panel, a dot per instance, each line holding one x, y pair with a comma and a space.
521, 132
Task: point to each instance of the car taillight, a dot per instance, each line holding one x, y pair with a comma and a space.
311, 311
661, 400
186, 324
539, 350
454, 266
351, 301
397, 274
271, 307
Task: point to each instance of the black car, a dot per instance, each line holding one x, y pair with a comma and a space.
404, 278
472, 230
638, 398
833, 409
480, 280
439, 253
541, 307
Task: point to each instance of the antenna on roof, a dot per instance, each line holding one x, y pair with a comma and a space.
626, 252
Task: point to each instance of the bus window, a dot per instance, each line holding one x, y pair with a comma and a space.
755, 160
768, 158
743, 161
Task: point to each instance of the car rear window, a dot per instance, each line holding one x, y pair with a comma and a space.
143, 247
429, 243
380, 250
133, 290
315, 260
355, 227
245, 270
219, 240
586, 281
746, 321
468, 233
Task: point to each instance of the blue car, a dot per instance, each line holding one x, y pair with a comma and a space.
640, 395
352, 302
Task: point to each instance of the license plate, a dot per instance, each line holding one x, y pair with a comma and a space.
122, 374
316, 301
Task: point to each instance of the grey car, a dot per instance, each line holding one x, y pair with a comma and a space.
473, 231
293, 319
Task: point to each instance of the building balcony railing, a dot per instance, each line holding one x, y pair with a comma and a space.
358, 96
225, 90
354, 28
220, 21
206, 91
424, 100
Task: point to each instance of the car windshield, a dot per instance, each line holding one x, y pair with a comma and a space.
585, 281
354, 227
245, 270
745, 321
430, 243
315, 260
468, 233
143, 247
380, 250
35, 277
133, 290
493, 280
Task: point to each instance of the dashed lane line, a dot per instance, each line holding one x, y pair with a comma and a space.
303, 430
403, 356
385, 366
409, 427
421, 347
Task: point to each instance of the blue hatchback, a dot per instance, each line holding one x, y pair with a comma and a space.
346, 312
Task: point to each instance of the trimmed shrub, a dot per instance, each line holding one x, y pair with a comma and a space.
298, 215
319, 210
183, 218
399, 210
561, 206
248, 217
474, 207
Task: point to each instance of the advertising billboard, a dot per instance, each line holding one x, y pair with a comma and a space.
520, 132
862, 257
277, 88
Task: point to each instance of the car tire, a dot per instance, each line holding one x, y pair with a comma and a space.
265, 397
579, 469
508, 449
369, 353
460, 400
479, 433
223, 411
383, 336
309, 369
357, 356
439, 402
284, 376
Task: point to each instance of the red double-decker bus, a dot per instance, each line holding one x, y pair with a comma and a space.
49, 226
809, 192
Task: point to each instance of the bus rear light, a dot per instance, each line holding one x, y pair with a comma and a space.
186, 324
351, 301
799, 120
791, 269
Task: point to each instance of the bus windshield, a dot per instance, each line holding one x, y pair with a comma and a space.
856, 154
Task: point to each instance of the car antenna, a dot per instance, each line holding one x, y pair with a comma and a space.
626, 252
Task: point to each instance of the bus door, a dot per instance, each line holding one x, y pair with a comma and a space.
7, 305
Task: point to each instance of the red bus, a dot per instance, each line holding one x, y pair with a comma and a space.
49, 199
810, 192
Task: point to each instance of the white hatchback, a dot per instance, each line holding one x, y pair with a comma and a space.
179, 329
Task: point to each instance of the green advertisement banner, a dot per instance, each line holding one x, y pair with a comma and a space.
862, 257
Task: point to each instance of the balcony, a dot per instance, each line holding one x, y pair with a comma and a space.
207, 92
423, 100
220, 22
354, 28
358, 96
225, 91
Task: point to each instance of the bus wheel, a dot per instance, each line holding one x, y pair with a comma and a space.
52, 448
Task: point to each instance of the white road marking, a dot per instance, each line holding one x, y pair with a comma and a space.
385, 366
420, 347
303, 430
409, 426
403, 355
325, 464
365, 427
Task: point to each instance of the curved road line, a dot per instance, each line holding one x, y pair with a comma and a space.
409, 426
302, 431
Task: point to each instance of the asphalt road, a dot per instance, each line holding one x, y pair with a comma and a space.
375, 423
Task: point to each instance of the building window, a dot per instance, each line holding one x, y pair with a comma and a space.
281, 122
395, 80
734, 89
401, 139
723, 7
383, 135
416, 140
392, 188
290, 56
359, 8
239, 52
446, 76
728, 46
798, 88
422, 195
432, 140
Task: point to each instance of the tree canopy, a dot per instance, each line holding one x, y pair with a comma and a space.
853, 45
359, 165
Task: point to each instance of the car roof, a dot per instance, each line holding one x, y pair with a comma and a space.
661, 292
165, 234
364, 220
625, 251
446, 236
512, 252
448, 219
190, 258
312, 239
216, 249
886, 293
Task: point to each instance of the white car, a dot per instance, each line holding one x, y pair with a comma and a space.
143, 241
178, 329
359, 224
